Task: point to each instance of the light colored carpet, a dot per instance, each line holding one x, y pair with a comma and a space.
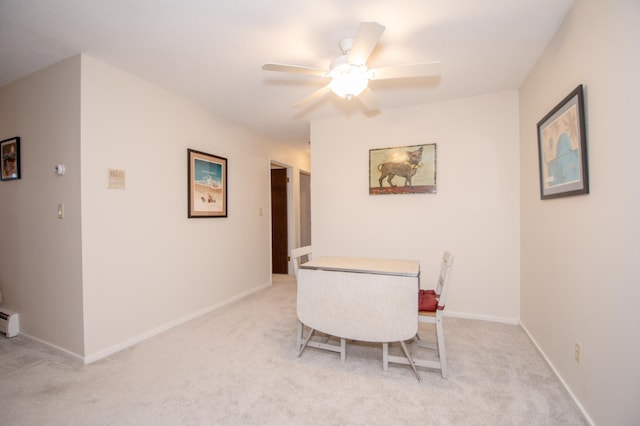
238, 366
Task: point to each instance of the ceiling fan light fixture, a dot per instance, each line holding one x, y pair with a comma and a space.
348, 80
349, 73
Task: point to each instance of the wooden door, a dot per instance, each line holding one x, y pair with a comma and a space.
279, 236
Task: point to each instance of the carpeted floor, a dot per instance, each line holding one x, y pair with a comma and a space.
238, 366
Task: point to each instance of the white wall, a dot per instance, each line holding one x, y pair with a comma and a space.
580, 269
145, 264
475, 212
124, 264
40, 264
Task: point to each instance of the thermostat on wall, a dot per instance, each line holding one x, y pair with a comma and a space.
116, 179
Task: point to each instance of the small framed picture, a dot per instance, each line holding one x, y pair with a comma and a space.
10, 151
562, 149
207, 185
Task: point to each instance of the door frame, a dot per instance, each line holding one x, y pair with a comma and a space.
302, 221
291, 220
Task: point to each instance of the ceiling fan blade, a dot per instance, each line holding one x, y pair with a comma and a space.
365, 41
369, 100
314, 96
427, 69
296, 69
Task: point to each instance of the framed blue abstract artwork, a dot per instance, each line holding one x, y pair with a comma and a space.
562, 149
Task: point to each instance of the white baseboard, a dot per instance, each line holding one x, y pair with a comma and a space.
51, 345
515, 321
88, 359
550, 364
512, 321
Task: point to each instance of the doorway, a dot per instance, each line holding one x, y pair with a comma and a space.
279, 221
305, 209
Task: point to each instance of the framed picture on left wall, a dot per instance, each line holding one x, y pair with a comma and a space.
10, 152
207, 185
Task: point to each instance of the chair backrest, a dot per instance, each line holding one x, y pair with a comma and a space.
443, 279
297, 254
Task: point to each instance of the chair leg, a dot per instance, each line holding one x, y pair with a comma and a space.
304, 345
299, 335
302, 342
441, 350
411, 363
385, 356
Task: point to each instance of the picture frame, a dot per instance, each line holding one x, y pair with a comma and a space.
10, 158
562, 149
403, 170
207, 181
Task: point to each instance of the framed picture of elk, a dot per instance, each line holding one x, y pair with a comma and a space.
403, 170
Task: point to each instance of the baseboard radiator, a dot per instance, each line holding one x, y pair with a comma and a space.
9, 323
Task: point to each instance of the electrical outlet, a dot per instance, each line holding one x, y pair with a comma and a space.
578, 352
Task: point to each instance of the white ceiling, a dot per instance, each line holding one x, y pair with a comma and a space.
212, 50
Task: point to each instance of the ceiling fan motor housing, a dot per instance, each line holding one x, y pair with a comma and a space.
338, 62
346, 44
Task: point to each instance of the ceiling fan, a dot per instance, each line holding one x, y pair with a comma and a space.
349, 73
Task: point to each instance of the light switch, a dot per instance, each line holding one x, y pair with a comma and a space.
60, 210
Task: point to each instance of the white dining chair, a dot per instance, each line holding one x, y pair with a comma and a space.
433, 303
433, 315
297, 256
